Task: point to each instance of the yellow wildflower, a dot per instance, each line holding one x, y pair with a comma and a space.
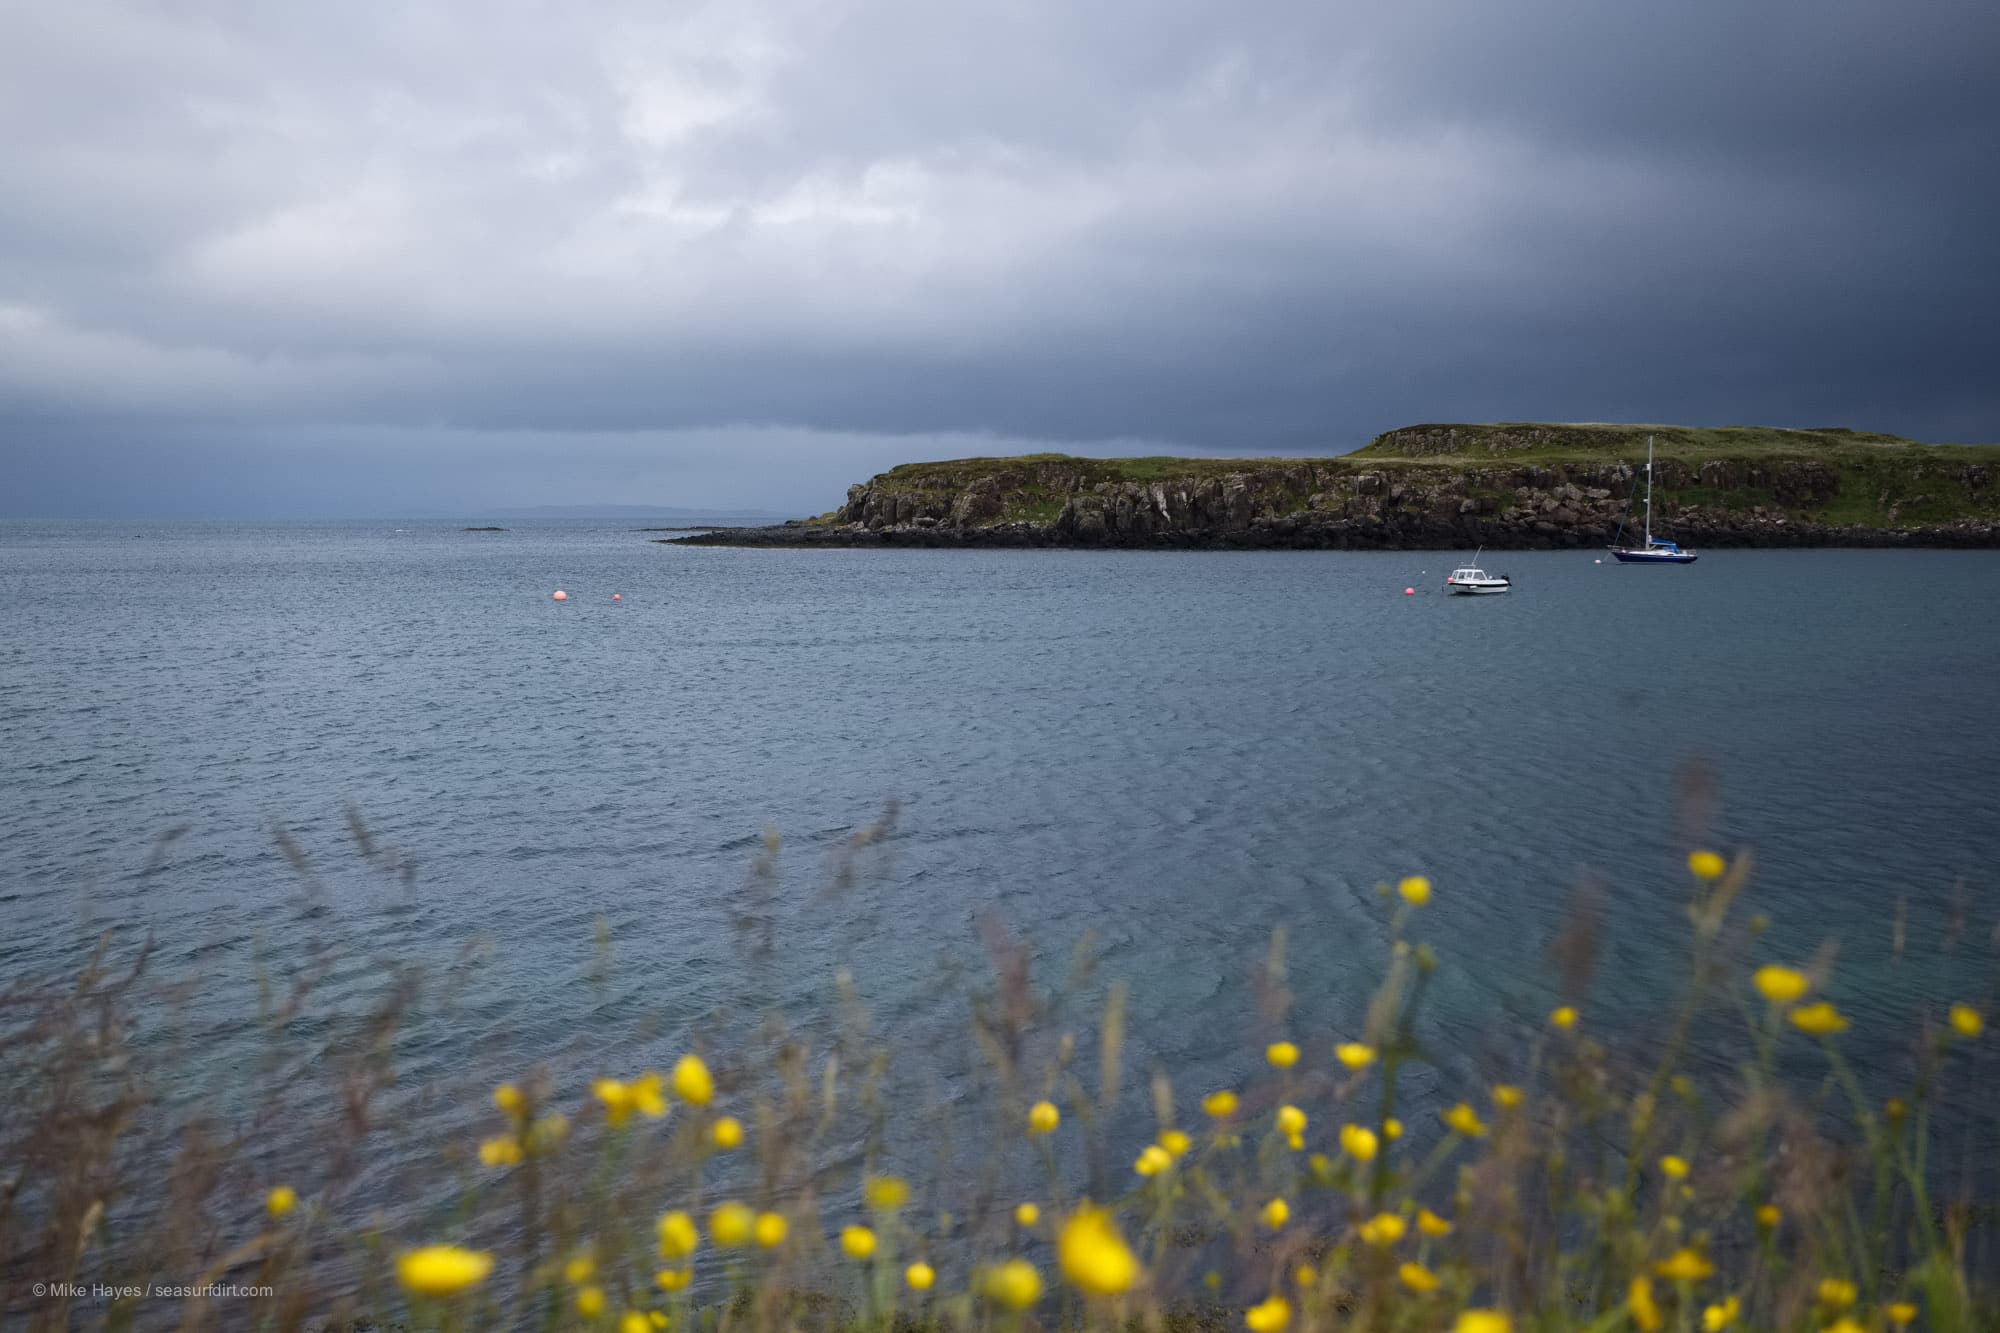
1220, 1105
921, 1276
509, 1099
1275, 1214
634, 1322
1392, 1129
1093, 1256
1564, 1018
1014, 1284
1043, 1117
1417, 1278
885, 1194
281, 1200
1845, 1325
1462, 1119
859, 1242
1153, 1160
1321, 1167
1639, 1302
1769, 1215
1483, 1321
1359, 1143
1305, 1275
1027, 1214
1720, 1316
1706, 865
657, 1318
503, 1151
1819, 1020
1354, 1054
579, 1269
1780, 985
1966, 1021
678, 1237
674, 1279
1431, 1224
726, 1133
1291, 1121
732, 1225
442, 1270
693, 1083
548, 1131
1176, 1143
617, 1099
1384, 1229
1901, 1313
1416, 890
1685, 1265
1282, 1054
648, 1097
1507, 1097
1270, 1315
772, 1228
590, 1302
1674, 1168
1837, 1293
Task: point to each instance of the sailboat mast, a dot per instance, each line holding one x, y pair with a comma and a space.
1649, 492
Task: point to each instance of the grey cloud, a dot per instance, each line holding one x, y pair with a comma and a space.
805, 226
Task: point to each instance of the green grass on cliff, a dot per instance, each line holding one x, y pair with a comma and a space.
1486, 444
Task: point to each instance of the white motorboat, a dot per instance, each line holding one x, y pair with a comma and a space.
1472, 581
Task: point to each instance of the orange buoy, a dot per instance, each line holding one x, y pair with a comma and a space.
561, 596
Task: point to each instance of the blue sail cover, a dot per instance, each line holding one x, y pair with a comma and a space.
1666, 546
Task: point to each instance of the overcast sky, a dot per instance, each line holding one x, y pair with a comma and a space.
308, 258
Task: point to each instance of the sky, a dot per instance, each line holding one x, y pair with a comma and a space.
301, 259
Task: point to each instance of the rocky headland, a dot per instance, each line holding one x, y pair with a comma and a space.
1513, 486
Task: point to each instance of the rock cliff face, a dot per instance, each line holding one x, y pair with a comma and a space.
1442, 487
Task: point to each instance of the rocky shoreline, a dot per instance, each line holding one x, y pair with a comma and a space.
1427, 488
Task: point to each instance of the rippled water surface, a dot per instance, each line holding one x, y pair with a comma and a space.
1169, 753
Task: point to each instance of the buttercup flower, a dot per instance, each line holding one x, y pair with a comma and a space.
1354, 1054
1270, 1315
1305, 1275
1176, 1143
1291, 1121
1837, 1293
442, 1270
772, 1228
1220, 1105
1818, 1020
634, 1322
693, 1083
726, 1133
678, 1237
1639, 1303
590, 1302
1507, 1097
858, 1242
648, 1098
1358, 1143
673, 1279
1392, 1129
1043, 1118
1685, 1265
1027, 1214
580, 1269
1431, 1224
1014, 1284
1275, 1214
1901, 1313
885, 1194
1416, 890
503, 1151
920, 1276
1483, 1321
1383, 1229
1462, 1119
1769, 1215
1093, 1256
1720, 1316
509, 1099
281, 1200
1564, 1018
617, 1099
732, 1225
1673, 1168
1966, 1021
1706, 865
1780, 985
1417, 1278
1153, 1160
1282, 1054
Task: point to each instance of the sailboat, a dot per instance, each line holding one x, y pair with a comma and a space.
1656, 551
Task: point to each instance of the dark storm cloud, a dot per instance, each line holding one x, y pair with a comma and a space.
244, 248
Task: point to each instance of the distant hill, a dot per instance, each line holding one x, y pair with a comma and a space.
663, 514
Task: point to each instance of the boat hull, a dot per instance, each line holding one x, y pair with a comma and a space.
1476, 589
1653, 557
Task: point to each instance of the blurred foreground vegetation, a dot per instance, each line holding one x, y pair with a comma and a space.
1601, 1188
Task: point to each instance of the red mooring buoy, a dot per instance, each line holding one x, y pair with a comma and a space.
561, 596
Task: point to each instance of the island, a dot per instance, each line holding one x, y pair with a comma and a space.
1514, 486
